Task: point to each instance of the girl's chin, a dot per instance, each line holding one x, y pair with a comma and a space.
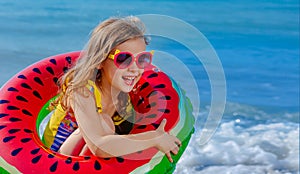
126, 86
127, 89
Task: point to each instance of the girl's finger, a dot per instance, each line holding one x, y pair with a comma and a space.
175, 150
178, 142
162, 125
168, 154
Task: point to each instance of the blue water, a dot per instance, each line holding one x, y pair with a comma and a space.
257, 43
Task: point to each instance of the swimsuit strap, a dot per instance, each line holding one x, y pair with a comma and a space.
95, 90
117, 119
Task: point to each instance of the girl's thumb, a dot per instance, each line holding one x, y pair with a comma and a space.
163, 124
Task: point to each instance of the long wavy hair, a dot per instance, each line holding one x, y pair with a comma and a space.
103, 40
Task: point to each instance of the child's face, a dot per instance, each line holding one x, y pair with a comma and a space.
124, 79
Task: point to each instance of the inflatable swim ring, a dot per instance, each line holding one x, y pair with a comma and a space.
23, 100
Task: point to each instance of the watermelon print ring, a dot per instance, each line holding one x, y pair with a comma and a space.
25, 97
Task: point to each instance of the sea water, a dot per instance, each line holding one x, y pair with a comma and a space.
256, 41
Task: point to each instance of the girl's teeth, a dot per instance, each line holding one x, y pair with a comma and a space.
129, 80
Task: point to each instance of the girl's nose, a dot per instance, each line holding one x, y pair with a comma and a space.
133, 67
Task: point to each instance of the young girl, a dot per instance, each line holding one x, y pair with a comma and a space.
94, 96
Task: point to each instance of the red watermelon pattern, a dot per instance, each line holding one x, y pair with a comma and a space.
22, 98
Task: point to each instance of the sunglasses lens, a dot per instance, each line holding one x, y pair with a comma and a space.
144, 60
123, 60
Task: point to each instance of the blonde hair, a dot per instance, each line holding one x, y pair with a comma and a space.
104, 38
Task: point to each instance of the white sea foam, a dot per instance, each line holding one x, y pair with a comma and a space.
264, 148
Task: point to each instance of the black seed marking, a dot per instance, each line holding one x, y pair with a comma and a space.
160, 86
25, 140
12, 89
24, 111
2, 126
22, 76
151, 105
97, 165
141, 100
65, 69
3, 115
106, 159
165, 97
142, 127
36, 70
151, 116
16, 151
68, 160
76, 166
152, 75
37, 94
50, 70
36, 159
69, 60
53, 167
152, 93
14, 119
12, 131
144, 86
87, 157
4, 101
7, 139
12, 108
55, 80
21, 98
155, 125
50, 156
53, 61
140, 119
28, 131
120, 159
38, 80
25, 85
35, 151
164, 110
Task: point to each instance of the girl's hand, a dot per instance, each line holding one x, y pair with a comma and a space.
165, 142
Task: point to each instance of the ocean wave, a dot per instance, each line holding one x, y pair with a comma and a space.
262, 148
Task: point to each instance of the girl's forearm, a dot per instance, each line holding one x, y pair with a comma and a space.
118, 145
